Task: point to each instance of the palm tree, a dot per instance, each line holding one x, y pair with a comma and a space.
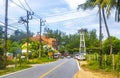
109, 4
117, 15
103, 4
90, 5
105, 22
108, 8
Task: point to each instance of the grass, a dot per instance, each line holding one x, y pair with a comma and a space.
13, 69
40, 60
24, 64
93, 66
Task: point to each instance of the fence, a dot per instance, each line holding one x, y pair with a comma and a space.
111, 62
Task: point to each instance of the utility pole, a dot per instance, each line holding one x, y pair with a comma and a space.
26, 20
100, 37
5, 32
42, 23
27, 34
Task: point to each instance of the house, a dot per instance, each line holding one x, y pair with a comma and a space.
24, 48
48, 41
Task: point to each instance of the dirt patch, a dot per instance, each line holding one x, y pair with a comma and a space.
85, 73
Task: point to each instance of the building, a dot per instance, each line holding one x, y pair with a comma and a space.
49, 41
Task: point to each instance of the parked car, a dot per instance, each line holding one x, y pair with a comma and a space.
79, 57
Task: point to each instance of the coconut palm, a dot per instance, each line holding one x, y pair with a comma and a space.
109, 4
103, 5
89, 4
117, 14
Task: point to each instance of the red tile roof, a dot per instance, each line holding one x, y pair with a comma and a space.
49, 41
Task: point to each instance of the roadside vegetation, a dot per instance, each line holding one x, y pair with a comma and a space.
106, 56
67, 44
109, 67
101, 54
20, 64
13, 69
110, 63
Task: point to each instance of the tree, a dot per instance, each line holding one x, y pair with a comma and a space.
105, 22
93, 38
89, 4
72, 42
1, 32
2, 65
101, 3
116, 45
20, 36
109, 4
34, 48
57, 34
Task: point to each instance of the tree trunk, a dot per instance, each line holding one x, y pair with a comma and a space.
106, 26
117, 13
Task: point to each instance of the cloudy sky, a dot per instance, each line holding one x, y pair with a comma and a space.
59, 14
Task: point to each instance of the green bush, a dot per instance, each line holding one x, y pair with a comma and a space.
40, 60
94, 65
2, 65
107, 65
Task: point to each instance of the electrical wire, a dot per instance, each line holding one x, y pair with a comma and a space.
4, 26
28, 5
23, 7
36, 15
10, 27
19, 5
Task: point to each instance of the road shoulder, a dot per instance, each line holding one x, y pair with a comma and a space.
85, 73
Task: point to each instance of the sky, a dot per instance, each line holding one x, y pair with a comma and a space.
59, 14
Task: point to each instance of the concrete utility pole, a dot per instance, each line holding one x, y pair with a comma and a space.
27, 34
23, 20
42, 23
5, 31
82, 48
100, 37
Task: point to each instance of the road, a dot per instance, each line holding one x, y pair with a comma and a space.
63, 68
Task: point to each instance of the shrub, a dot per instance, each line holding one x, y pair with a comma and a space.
2, 65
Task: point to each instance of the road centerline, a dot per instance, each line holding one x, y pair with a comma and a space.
46, 73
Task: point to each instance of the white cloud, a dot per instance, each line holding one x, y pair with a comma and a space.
69, 24
2, 2
66, 16
59, 10
74, 3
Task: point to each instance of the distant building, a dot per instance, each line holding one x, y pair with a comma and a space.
49, 41
24, 48
9, 56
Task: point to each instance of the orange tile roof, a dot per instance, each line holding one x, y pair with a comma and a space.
49, 41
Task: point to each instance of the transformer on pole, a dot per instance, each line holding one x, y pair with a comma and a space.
82, 47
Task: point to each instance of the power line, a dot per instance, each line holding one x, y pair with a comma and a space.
21, 4
68, 12
23, 7
9, 26
28, 5
18, 5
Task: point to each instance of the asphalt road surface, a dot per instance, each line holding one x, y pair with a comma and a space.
63, 68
